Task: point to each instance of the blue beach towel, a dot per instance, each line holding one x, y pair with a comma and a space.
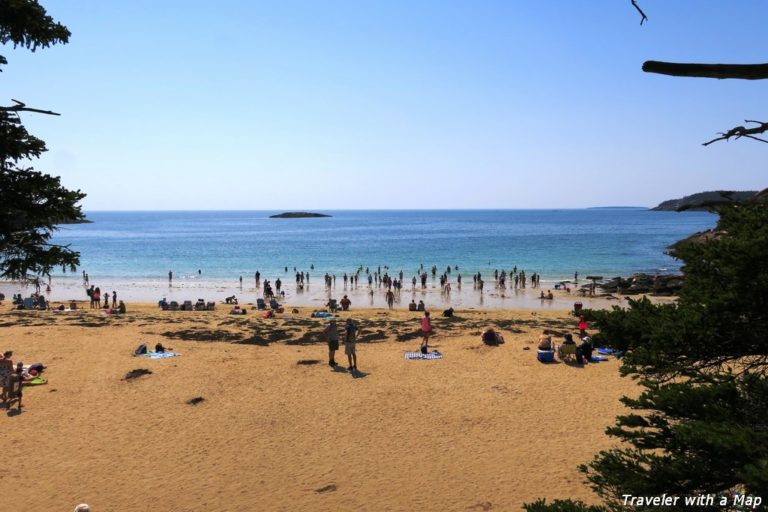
608, 351
162, 355
419, 355
597, 359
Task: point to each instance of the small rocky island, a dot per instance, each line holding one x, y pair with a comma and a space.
297, 215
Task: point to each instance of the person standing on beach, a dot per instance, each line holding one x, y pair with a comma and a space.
332, 335
582, 326
390, 299
241, 282
426, 332
170, 278
114, 299
6, 370
350, 338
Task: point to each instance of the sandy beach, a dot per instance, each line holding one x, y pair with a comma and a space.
484, 428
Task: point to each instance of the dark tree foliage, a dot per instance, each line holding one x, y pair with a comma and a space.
25, 23
562, 506
721, 318
32, 204
701, 425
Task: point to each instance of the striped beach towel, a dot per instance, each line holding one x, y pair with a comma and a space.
419, 355
161, 355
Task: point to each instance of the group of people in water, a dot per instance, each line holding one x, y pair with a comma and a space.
377, 278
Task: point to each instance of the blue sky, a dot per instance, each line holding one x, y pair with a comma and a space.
390, 104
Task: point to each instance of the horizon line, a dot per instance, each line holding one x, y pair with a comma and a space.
320, 210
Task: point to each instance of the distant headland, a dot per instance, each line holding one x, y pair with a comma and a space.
81, 221
703, 200
297, 215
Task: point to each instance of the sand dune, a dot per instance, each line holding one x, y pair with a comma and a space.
482, 429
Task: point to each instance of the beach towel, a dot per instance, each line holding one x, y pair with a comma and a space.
606, 351
597, 359
161, 355
37, 381
419, 355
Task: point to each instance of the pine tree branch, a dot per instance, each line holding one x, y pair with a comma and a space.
720, 71
642, 14
22, 107
741, 131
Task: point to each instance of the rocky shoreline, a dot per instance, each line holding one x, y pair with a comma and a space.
663, 285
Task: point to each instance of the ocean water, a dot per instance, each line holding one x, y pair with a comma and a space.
137, 249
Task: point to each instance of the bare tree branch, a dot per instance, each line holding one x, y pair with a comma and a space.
741, 131
644, 17
22, 107
721, 71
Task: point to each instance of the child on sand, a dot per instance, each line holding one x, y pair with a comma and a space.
349, 344
582, 326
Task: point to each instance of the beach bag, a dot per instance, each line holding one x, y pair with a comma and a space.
140, 350
448, 312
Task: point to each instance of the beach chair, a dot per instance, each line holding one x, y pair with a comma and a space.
260, 304
210, 306
566, 351
29, 303
577, 306
187, 305
333, 305
200, 305
174, 305
545, 356
274, 304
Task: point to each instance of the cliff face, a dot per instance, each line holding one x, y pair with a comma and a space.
703, 200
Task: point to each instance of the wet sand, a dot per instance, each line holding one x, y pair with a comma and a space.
316, 294
485, 428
